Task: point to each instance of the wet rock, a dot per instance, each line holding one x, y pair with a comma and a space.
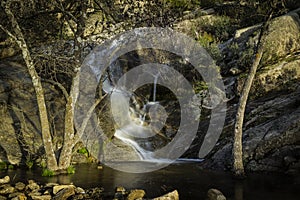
6, 189
79, 190
41, 197
94, 193
57, 188
20, 186
5, 180
136, 194
2, 197
64, 193
170, 196
121, 190
17, 195
32, 185
214, 194
120, 193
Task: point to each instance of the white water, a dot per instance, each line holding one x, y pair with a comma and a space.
142, 153
154, 87
131, 119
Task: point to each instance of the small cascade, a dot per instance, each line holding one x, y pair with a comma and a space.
154, 87
132, 119
142, 153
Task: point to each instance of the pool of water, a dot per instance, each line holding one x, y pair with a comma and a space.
190, 181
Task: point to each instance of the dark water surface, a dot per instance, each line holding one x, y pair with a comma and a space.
191, 182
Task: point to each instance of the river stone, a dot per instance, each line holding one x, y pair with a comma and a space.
64, 193
17, 195
57, 188
33, 186
136, 194
2, 197
5, 180
120, 189
41, 197
170, 196
20, 186
214, 194
79, 190
6, 189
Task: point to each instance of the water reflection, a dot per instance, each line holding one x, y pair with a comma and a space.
191, 182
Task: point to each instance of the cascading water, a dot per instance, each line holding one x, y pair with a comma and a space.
154, 87
131, 119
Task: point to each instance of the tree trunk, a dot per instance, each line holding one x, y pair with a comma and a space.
70, 139
69, 132
238, 166
46, 135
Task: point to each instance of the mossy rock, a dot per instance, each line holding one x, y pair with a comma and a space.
282, 38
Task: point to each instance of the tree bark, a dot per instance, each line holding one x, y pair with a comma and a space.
238, 128
69, 132
237, 150
19, 38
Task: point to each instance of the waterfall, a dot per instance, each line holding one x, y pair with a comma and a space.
142, 153
131, 119
154, 87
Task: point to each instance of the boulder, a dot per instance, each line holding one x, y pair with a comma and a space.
64, 193
136, 194
214, 194
20, 186
5, 180
6, 189
170, 196
287, 42
57, 188
41, 197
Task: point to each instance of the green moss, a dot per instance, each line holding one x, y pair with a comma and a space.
83, 151
3, 165
71, 170
47, 172
199, 86
29, 164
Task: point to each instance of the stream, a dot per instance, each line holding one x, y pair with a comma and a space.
186, 176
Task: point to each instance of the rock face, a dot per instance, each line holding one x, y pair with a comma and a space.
272, 123
20, 125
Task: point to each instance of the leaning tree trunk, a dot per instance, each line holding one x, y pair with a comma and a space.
238, 129
237, 150
19, 38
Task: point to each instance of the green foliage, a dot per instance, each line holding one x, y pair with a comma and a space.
83, 151
10, 167
29, 164
185, 4
3, 165
221, 27
47, 172
200, 86
206, 40
43, 163
71, 170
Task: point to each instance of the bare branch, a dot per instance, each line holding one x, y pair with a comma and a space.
60, 86
87, 117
